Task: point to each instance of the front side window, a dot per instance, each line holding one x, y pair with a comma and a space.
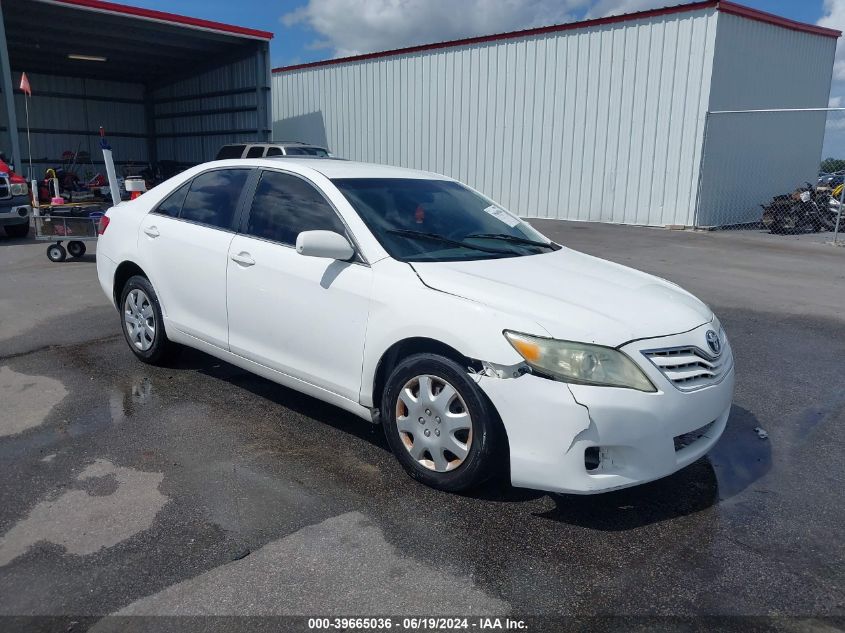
274, 151
284, 206
256, 151
439, 220
213, 197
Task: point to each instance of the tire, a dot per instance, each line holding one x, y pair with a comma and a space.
828, 222
17, 230
76, 248
428, 458
56, 253
790, 223
139, 307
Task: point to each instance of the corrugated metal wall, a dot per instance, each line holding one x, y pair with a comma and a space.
750, 156
196, 116
602, 123
188, 120
66, 113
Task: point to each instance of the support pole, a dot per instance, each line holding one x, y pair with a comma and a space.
9, 95
28, 137
262, 92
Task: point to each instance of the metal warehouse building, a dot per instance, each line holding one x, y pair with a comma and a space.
165, 87
618, 119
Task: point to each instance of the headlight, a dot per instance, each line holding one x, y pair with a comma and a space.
568, 361
19, 189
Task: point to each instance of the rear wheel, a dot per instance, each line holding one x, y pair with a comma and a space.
143, 326
439, 424
76, 248
17, 230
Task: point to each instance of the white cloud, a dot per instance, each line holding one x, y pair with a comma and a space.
362, 26
834, 18
604, 8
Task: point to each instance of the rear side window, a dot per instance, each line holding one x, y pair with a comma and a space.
230, 151
307, 151
284, 206
172, 204
256, 151
274, 151
213, 197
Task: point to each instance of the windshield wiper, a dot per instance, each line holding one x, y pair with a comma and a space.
512, 238
435, 237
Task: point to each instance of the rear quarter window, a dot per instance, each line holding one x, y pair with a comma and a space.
172, 204
213, 197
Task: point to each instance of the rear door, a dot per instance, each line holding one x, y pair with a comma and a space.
303, 316
184, 244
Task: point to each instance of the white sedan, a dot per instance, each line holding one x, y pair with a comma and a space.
414, 301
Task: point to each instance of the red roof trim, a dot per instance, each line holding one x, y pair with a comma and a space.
770, 18
163, 16
719, 5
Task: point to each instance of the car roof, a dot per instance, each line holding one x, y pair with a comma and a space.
333, 168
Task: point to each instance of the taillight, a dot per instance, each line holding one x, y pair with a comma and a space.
103, 225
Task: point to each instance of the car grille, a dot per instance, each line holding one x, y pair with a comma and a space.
690, 368
688, 439
5, 189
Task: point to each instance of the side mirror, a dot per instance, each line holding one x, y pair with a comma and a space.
326, 244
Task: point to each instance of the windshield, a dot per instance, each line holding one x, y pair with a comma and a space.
438, 220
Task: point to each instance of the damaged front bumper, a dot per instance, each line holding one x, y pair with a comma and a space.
584, 439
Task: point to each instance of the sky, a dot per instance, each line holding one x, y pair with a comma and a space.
311, 30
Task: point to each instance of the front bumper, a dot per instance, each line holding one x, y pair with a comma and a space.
15, 214
639, 436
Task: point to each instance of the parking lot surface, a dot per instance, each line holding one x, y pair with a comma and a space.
200, 489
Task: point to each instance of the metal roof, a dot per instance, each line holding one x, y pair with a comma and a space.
719, 5
138, 45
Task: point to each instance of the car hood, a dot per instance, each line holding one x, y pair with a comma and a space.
572, 296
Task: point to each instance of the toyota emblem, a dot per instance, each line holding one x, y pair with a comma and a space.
713, 342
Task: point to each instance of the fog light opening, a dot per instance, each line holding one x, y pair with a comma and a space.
592, 458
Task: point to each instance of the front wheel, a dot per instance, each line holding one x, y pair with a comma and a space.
143, 325
439, 424
56, 253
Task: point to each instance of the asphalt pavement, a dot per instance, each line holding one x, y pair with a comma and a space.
199, 489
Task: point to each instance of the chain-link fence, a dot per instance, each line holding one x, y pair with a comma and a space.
778, 171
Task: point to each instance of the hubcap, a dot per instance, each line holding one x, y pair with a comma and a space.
139, 320
434, 423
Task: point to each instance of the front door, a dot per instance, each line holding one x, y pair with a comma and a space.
303, 316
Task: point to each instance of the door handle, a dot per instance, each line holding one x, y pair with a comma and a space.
151, 231
243, 258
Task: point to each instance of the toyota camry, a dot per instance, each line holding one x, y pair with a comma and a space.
415, 302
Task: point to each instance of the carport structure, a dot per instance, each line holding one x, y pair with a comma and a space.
164, 86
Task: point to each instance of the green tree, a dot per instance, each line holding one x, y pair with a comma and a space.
830, 165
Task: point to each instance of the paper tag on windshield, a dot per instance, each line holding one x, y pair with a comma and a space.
500, 214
